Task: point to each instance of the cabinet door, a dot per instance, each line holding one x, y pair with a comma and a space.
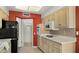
51, 50
52, 17
54, 47
56, 50
71, 16
61, 18
38, 41
45, 46
41, 43
56, 19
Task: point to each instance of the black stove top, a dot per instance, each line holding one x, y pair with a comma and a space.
8, 33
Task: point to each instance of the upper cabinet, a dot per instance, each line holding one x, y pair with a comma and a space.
3, 14
63, 18
71, 17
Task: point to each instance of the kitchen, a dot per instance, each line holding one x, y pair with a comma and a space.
53, 28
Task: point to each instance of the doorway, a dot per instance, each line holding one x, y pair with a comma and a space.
25, 36
27, 32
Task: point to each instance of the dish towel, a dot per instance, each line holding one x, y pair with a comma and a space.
4, 44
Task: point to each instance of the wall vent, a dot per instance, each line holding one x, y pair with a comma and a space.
26, 14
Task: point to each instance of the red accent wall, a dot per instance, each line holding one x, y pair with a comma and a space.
77, 18
36, 20
77, 29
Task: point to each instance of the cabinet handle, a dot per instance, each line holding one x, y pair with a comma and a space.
59, 24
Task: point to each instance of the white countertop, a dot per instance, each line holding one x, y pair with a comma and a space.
60, 39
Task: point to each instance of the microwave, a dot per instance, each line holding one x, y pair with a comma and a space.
50, 26
47, 26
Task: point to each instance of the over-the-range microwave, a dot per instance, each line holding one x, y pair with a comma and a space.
50, 26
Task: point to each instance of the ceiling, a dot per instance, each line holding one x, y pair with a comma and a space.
41, 11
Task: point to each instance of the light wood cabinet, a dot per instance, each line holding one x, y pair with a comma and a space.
52, 17
54, 47
45, 45
3, 15
63, 18
41, 44
71, 16
50, 46
38, 38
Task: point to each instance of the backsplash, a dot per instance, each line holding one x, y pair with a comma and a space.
64, 32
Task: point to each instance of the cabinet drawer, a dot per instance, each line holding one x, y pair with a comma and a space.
46, 48
55, 44
50, 42
54, 49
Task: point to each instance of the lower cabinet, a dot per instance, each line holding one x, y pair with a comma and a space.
54, 50
46, 46
49, 46
54, 47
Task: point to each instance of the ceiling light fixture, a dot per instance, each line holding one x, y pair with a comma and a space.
31, 8
24, 8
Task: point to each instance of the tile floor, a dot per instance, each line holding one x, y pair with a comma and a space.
29, 49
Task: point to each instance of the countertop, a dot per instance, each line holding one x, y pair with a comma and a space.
60, 39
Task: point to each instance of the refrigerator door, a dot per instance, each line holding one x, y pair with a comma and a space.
20, 43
